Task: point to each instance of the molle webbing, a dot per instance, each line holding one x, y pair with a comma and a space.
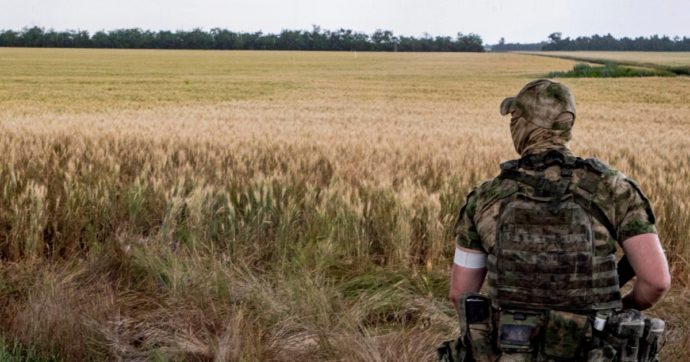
581, 193
543, 186
541, 289
544, 251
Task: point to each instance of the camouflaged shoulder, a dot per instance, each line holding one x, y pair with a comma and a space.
468, 205
625, 204
648, 208
465, 231
493, 190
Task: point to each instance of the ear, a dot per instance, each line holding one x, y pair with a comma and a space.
506, 104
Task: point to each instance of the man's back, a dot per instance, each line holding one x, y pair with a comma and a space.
546, 231
522, 214
617, 197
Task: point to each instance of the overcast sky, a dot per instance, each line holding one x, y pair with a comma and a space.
517, 21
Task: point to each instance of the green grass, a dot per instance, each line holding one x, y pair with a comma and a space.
665, 63
680, 70
610, 70
16, 352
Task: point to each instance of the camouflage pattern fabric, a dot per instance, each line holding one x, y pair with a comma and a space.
530, 139
545, 260
619, 197
541, 102
564, 334
542, 116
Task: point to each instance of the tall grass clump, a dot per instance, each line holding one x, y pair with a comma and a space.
609, 70
249, 260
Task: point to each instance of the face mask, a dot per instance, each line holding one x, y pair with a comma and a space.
529, 138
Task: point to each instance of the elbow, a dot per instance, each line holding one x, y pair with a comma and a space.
662, 284
454, 298
646, 293
658, 286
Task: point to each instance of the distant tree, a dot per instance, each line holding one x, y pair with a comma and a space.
101, 40
470, 43
383, 40
9, 38
504, 46
555, 37
81, 39
196, 39
32, 37
223, 39
167, 40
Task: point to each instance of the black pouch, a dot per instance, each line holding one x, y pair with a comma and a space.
476, 326
477, 309
564, 334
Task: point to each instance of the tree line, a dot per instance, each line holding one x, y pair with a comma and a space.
316, 39
608, 42
502, 46
600, 42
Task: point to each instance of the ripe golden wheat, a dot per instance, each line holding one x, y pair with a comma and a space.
279, 205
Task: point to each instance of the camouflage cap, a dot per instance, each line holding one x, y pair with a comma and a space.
541, 102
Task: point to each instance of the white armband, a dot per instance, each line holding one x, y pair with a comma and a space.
469, 260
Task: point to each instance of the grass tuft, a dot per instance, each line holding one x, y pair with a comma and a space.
609, 70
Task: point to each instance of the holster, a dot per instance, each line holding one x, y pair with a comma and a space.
476, 327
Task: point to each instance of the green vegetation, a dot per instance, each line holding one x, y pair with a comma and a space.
223, 39
15, 352
609, 70
666, 63
597, 42
556, 42
680, 70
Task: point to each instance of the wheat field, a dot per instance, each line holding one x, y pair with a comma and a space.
238, 206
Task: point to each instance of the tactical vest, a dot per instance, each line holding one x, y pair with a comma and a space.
543, 258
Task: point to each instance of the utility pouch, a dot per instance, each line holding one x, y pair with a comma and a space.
476, 326
518, 330
626, 330
651, 342
564, 334
476, 309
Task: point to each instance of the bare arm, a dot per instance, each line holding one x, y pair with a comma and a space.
465, 280
649, 262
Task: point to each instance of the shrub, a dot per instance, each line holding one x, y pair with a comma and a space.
610, 70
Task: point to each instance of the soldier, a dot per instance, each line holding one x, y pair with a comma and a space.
545, 232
